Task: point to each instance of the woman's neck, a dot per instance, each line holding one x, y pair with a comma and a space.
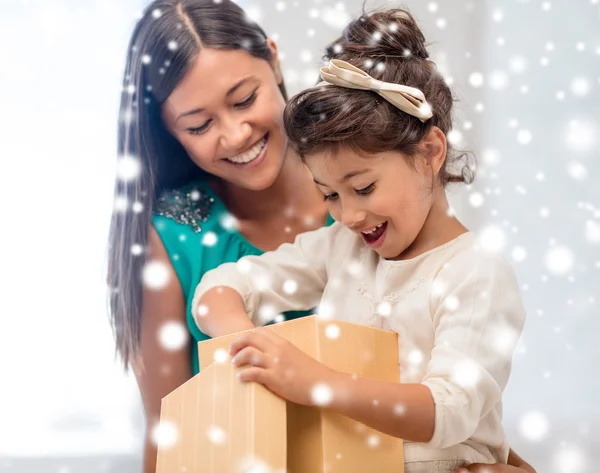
293, 193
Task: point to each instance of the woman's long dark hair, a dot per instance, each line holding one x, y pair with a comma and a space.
165, 42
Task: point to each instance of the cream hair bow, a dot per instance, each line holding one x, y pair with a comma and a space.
407, 99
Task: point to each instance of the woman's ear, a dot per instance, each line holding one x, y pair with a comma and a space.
434, 148
275, 61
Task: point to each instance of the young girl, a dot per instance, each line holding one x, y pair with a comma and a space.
373, 135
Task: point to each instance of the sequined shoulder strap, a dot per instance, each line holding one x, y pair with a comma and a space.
189, 207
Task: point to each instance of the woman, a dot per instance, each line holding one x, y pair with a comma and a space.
201, 114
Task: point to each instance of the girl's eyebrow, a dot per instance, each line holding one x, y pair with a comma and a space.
347, 176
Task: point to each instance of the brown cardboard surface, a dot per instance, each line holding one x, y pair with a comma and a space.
319, 440
214, 401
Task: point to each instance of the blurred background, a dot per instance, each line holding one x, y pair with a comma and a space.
527, 76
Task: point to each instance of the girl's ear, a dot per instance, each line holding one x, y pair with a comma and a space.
434, 148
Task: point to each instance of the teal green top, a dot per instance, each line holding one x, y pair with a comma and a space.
198, 234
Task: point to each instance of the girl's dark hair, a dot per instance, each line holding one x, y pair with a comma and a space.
165, 43
390, 47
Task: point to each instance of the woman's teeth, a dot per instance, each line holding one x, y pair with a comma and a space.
249, 155
368, 232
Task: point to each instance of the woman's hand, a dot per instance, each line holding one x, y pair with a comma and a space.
278, 365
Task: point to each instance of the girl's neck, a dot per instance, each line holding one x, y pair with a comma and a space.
292, 193
440, 227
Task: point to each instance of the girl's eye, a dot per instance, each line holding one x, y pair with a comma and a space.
330, 196
366, 190
201, 129
246, 103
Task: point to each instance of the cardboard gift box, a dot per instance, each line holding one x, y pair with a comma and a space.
224, 426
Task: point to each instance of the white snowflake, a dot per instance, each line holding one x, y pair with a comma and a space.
580, 135
137, 249
559, 260
476, 199
335, 18
519, 254
534, 426
165, 435
221, 355
254, 14
332, 331
491, 157
202, 310
517, 64
415, 356
384, 309
570, 459
476, 79
592, 231
155, 275
209, 239
580, 86
306, 56
321, 395
466, 374
524, 136
492, 238
452, 303
577, 171
128, 168
217, 435
503, 339
454, 137
290, 286
325, 310
498, 80
173, 336
253, 465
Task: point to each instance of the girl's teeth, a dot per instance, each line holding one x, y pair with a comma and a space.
368, 232
249, 155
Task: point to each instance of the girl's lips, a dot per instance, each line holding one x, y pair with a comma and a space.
375, 239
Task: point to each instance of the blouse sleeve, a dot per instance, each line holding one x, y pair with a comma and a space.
478, 317
293, 277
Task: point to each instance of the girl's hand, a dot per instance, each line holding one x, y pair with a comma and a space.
278, 365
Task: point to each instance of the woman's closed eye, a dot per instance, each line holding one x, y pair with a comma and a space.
246, 103
241, 105
200, 129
